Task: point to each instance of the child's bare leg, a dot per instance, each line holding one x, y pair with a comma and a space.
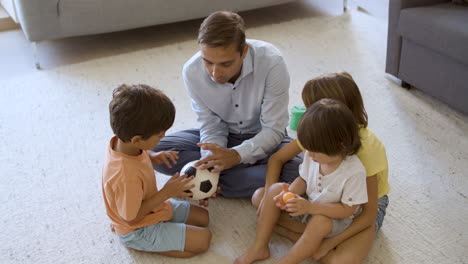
198, 216
258, 196
288, 227
283, 231
266, 221
197, 240
317, 228
352, 250
291, 224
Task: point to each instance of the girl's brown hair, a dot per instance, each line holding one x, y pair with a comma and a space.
329, 127
140, 110
339, 86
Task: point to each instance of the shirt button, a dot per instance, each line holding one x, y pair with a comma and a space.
319, 184
240, 122
237, 105
234, 88
320, 190
320, 177
350, 199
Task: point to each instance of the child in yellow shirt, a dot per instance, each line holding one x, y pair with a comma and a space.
332, 177
145, 218
353, 244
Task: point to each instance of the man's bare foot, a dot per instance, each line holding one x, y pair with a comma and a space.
253, 255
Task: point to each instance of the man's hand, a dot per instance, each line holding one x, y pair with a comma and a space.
221, 158
165, 157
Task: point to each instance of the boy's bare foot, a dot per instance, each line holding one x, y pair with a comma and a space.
252, 256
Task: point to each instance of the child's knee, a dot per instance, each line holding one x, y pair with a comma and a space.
205, 217
323, 220
275, 188
206, 241
323, 223
258, 196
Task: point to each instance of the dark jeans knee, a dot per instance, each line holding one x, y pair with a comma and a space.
162, 168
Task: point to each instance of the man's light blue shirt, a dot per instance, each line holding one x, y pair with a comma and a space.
257, 103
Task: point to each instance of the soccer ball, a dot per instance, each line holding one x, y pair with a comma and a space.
205, 181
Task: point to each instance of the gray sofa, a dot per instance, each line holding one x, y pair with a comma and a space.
52, 19
428, 48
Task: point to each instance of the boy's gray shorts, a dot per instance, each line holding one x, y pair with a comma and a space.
163, 236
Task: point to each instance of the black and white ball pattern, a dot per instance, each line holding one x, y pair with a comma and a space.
205, 181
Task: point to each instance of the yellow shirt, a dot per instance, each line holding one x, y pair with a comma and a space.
374, 158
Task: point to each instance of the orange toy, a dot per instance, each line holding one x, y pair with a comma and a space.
288, 196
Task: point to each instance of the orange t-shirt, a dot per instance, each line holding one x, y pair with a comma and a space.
126, 182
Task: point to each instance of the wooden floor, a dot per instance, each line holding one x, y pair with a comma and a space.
6, 23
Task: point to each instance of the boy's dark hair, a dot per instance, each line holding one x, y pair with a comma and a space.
329, 127
140, 110
339, 86
221, 29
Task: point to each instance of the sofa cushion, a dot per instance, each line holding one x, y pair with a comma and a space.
442, 27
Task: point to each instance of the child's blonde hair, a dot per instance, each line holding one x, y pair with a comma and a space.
329, 127
339, 86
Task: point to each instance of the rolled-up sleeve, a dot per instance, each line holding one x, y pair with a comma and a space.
274, 116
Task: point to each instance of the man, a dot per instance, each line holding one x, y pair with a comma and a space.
239, 91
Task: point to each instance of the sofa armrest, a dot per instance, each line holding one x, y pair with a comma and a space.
38, 19
393, 38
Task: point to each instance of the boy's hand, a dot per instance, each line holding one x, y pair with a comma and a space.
279, 198
204, 202
298, 206
177, 185
165, 157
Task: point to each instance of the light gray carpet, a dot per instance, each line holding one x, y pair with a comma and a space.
54, 130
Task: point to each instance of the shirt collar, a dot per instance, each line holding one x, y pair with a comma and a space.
247, 65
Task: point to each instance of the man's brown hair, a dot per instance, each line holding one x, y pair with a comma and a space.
339, 86
140, 110
329, 127
221, 29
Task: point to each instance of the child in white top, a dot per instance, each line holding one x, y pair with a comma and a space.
332, 177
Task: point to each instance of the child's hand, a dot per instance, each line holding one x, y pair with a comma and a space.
298, 206
279, 198
165, 157
177, 185
204, 202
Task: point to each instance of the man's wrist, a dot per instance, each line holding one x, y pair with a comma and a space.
237, 155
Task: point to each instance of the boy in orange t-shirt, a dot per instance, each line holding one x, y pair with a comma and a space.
143, 216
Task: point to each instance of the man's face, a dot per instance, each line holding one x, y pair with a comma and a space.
224, 64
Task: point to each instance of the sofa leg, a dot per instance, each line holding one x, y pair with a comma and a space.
36, 60
405, 85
